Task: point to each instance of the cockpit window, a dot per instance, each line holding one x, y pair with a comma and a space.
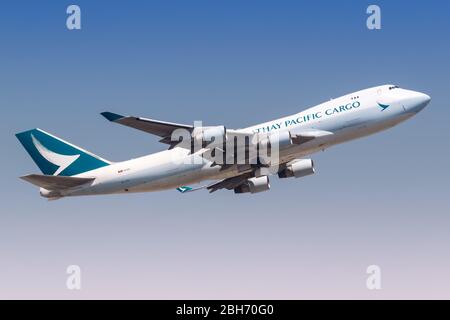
393, 87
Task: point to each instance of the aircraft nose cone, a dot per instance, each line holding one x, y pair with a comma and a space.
418, 101
423, 98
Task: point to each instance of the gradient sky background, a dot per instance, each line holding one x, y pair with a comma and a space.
381, 200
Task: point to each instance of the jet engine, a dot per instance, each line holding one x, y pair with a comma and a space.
282, 139
207, 135
297, 169
254, 185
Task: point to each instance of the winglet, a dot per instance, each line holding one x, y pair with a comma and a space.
184, 189
112, 116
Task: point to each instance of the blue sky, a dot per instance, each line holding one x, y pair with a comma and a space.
380, 200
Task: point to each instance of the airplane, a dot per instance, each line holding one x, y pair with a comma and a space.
68, 170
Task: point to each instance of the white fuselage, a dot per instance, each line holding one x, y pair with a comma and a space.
348, 117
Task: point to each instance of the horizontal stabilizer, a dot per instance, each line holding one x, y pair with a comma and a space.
55, 182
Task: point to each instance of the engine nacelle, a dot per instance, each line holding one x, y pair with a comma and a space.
254, 185
281, 138
297, 169
207, 135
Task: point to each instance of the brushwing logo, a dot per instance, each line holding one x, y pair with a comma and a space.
383, 106
60, 160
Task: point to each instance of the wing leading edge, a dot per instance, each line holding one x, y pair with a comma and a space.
162, 129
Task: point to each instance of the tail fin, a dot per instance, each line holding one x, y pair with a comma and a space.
57, 157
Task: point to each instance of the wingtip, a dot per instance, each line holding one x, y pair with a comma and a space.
111, 116
27, 177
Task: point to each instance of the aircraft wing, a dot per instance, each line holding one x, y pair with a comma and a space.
300, 135
55, 182
229, 183
162, 129
165, 129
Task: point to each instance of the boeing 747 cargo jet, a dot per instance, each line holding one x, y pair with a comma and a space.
241, 160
